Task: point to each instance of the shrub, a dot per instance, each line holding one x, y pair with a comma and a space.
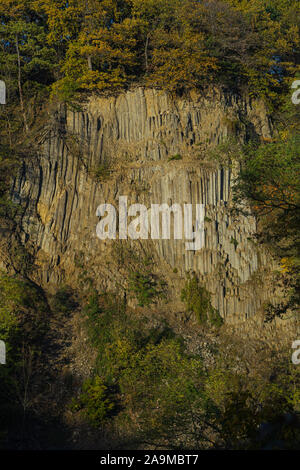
23, 309
197, 300
95, 400
145, 287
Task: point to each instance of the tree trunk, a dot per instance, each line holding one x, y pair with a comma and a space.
146, 52
20, 85
90, 65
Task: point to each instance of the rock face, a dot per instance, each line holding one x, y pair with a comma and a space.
150, 147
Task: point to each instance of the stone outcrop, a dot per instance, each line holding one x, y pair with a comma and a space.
124, 145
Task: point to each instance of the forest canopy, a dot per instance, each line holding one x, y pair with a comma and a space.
105, 45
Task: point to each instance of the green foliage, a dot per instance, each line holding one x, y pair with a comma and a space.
270, 183
269, 179
175, 157
95, 400
197, 300
146, 382
249, 404
23, 323
144, 379
177, 45
164, 390
145, 287
23, 310
112, 333
27, 63
144, 372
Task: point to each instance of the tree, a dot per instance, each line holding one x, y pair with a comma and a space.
269, 180
27, 64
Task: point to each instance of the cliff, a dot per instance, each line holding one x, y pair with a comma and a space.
124, 145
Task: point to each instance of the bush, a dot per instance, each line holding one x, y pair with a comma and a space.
95, 400
145, 287
157, 392
23, 310
197, 300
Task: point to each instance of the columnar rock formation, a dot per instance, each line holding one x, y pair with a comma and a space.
124, 145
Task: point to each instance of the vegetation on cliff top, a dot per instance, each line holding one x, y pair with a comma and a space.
105, 45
